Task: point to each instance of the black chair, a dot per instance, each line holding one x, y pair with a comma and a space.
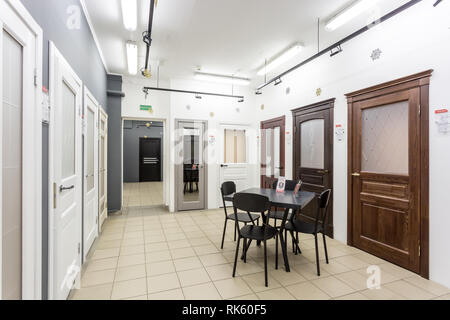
228, 191
313, 228
253, 203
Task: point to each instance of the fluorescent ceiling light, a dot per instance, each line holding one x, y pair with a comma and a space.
350, 13
282, 58
129, 14
222, 79
132, 57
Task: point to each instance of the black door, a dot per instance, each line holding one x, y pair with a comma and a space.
149, 159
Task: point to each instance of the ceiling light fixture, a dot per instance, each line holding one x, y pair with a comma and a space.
258, 92
349, 13
132, 57
197, 96
221, 79
129, 14
241, 100
336, 51
282, 58
278, 81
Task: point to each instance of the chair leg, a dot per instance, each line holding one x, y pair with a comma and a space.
317, 255
236, 256
325, 245
235, 230
276, 252
224, 231
244, 255
296, 244
265, 264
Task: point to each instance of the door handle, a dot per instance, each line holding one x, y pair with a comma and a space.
62, 188
323, 171
356, 174
223, 166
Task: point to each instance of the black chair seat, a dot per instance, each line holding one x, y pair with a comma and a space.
229, 197
303, 227
278, 215
243, 217
258, 233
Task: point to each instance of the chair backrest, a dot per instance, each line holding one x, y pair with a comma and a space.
251, 202
322, 208
290, 185
228, 188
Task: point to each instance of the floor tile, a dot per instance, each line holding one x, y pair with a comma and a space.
159, 268
275, 294
333, 287
205, 291
409, 291
163, 283
126, 251
220, 272
427, 285
213, 260
257, 283
131, 260
103, 264
129, 289
231, 288
187, 264
131, 273
307, 291
193, 277
96, 278
94, 293
105, 253
157, 256
174, 295
353, 296
182, 253
205, 250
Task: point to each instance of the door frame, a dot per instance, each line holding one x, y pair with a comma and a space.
102, 114
161, 150
282, 146
205, 159
88, 95
421, 81
32, 161
309, 109
165, 155
55, 55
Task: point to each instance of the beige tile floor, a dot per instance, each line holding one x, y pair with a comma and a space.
152, 254
143, 194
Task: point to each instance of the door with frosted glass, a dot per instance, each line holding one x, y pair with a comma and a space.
386, 177
273, 133
190, 166
313, 155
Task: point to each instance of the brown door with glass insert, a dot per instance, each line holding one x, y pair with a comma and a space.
386, 171
313, 154
273, 137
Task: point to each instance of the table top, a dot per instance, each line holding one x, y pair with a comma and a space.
287, 199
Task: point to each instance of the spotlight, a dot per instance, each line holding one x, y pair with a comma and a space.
278, 81
336, 51
258, 92
197, 96
241, 100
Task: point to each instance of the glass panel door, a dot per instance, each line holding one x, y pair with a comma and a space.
313, 144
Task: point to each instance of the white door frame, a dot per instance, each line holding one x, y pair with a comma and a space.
56, 57
103, 215
13, 15
89, 96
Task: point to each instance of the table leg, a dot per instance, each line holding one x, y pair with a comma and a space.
283, 245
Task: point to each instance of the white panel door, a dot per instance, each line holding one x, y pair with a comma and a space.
234, 157
90, 201
20, 153
103, 168
66, 176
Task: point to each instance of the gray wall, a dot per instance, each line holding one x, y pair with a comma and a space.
131, 146
79, 49
114, 145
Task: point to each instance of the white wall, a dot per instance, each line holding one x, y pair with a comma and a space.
414, 41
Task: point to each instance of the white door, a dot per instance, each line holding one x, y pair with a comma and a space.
65, 176
90, 201
20, 153
103, 168
234, 157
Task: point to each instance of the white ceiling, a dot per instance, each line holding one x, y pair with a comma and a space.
221, 36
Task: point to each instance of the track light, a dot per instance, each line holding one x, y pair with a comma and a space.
350, 13
336, 51
197, 96
258, 92
282, 58
241, 100
129, 14
278, 81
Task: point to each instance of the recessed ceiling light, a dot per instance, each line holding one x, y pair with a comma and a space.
350, 13
282, 58
129, 14
132, 57
222, 79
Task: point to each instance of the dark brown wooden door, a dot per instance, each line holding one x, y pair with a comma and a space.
276, 163
313, 154
150, 159
386, 177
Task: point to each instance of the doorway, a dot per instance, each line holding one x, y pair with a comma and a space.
143, 163
313, 154
149, 159
273, 155
20, 153
388, 171
190, 165
234, 158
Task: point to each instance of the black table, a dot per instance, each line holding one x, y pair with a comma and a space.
287, 200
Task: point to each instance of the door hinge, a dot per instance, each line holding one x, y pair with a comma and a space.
54, 195
35, 77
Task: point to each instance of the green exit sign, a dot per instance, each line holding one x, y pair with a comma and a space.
146, 108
